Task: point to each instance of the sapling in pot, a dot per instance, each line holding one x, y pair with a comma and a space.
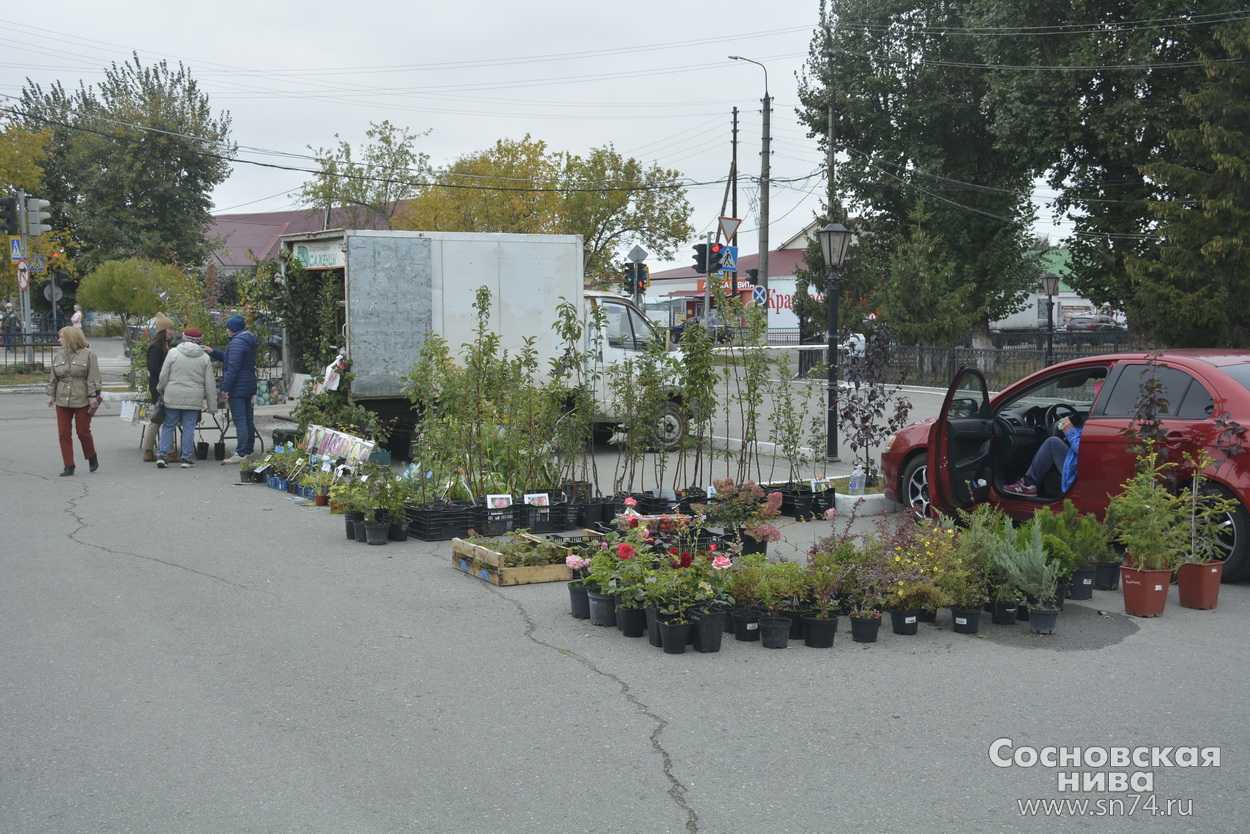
1027, 568
1152, 523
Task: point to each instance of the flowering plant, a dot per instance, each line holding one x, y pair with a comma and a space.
915, 556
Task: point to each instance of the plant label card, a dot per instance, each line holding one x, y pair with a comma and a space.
327, 466
538, 499
499, 502
711, 491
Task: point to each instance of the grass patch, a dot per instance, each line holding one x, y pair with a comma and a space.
22, 377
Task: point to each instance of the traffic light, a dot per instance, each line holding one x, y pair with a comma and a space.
36, 213
714, 255
644, 277
700, 258
629, 279
8, 207
753, 277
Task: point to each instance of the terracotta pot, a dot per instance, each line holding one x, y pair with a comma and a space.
1145, 591
1199, 584
321, 500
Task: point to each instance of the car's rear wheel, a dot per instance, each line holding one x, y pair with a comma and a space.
914, 486
1234, 540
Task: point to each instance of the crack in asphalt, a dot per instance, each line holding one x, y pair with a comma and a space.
71, 509
677, 790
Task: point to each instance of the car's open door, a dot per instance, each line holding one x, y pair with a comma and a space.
960, 444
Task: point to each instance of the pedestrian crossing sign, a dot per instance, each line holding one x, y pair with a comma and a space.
729, 259
15, 249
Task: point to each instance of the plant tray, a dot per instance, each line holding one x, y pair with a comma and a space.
554, 519
485, 564
440, 522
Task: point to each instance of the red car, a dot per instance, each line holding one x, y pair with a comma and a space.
978, 443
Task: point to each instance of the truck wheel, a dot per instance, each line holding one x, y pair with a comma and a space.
671, 430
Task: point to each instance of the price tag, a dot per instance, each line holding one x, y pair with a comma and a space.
1087, 582
364, 478
711, 491
961, 621
753, 626
909, 620
326, 466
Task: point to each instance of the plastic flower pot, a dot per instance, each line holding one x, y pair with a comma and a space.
653, 625
321, 500
397, 531
1107, 576
818, 633
362, 535
746, 624
1003, 613
674, 637
865, 629
775, 632
1042, 620
1061, 593
965, 620
350, 519
1145, 591
709, 630
905, 622
201, 450
633, 621
796, 624
1199, 584
1082, 584
376, 531
602, 608
579, 605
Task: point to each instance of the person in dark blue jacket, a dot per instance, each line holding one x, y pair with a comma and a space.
238, 383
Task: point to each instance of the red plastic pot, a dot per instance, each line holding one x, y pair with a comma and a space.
1199, 584
1145, 591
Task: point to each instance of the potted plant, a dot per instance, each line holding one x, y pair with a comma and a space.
709, 626
744, 587
319, 481
781, 584
601, 587
1153, 526
1032, 574
579, 603
1198, 578
823, 582
352, 497
962, 578
911, 565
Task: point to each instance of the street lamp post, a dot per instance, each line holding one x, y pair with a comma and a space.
1050, 285
834, 240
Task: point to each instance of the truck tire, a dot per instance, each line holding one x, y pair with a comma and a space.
671, 431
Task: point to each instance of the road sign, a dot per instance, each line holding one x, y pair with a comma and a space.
15, 249
23, 276
38, 264
638, 254
729, 259
760, 296
729, 227
52, 293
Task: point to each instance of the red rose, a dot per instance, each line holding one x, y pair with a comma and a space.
625, 551
633, 521
672, 551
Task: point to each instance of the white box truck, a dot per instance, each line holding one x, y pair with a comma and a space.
400, 287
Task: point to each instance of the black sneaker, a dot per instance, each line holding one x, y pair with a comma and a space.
160, 463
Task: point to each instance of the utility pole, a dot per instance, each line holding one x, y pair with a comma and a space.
764, 160
25, 296
733, 179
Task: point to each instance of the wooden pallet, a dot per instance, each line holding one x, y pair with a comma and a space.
487, 565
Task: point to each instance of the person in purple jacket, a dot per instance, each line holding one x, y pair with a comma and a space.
238, 383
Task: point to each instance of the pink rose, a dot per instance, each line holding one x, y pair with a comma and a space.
631, 501
831, 514
713, 547
625, 551
576, 562
722, 563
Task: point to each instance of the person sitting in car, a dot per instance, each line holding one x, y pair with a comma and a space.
1055, 453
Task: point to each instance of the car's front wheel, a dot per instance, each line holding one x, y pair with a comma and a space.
914, 489
1234, 540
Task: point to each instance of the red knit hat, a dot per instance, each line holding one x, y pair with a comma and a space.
192, 334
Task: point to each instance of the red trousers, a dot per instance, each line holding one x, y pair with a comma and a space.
64, 416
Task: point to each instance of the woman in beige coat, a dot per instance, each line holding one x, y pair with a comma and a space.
72, 386
186, 385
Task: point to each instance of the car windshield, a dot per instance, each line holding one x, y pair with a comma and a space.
1074, 388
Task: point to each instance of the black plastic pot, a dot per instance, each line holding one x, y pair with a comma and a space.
362, 535
689, 497
620, 621
201, 450
579, 603
1107, 576
376, 531
775, 632
905, 622
1061, 593
746, 624
349, 521
1004, 613
796, 624
819, 633
709, 630
674, 637
965, 620
1042, 620
653, 625
1082, 584
865, 630
633, 621
796, 501
397, 531
750, 545
602, 608
219, 450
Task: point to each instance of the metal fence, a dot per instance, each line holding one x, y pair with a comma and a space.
936, 366
30, 351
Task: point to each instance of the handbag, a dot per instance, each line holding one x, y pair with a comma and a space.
158, 412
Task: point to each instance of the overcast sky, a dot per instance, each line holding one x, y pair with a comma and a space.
653, 78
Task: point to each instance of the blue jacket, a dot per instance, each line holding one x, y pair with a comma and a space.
238, 374
1068, 475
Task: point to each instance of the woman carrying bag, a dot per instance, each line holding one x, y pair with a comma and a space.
186, 385
74, 388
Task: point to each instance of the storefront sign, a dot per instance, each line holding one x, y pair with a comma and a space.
319, 254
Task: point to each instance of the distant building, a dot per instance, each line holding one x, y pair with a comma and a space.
1068, 302
242, 240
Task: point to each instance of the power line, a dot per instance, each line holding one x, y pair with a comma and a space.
1175, 22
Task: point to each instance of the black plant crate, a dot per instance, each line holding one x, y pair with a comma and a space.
440, 522
495, 522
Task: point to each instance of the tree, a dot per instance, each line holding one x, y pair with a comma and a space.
914, 128
22, 152
371, 189
135, 287
522, 186
922, 295
1190, 287
132, 162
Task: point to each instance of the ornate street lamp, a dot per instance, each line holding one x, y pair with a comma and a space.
835, 239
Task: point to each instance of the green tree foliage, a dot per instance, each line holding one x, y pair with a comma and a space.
125, 191
370, 188
611, 201
910, 124
1190, 288
22, 152
134, 287
922, 294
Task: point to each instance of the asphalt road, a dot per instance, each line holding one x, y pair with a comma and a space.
181, 653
